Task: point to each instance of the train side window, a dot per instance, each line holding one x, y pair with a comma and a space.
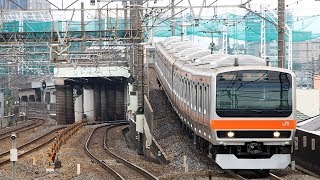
183, 90
205, 100
191, 95
200, 98
180, 90
170, 76
188, 94
186, 91
181, 86
196, 97
177, 86
174, 84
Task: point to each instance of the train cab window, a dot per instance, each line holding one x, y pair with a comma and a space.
254, 93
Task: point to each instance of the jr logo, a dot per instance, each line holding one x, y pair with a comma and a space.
286, 123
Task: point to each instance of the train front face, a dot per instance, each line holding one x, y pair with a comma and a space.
254, 118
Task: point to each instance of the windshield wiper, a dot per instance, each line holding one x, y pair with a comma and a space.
257, 111
280, 111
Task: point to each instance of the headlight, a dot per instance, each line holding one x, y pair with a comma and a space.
276, 134
230, 134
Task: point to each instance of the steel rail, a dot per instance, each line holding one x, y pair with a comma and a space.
274, 177
31, 143
100, 162
138, 169
14, 129
22, 129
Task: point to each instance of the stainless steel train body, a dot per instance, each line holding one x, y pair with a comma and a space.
238, 109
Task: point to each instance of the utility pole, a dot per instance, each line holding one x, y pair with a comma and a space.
82, 43
172, 19
137, 58
212, 43
281, 34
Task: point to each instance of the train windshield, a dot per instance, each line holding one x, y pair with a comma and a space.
254, 93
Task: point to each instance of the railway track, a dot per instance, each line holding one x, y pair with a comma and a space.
117, 166
274, 177
4, 135
31, 146
253, 174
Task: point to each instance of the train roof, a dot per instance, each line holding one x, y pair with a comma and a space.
196, 55
187, 51
172, 38
210, 58
242, 60
201, 58
176, 44
180, 48
168, 44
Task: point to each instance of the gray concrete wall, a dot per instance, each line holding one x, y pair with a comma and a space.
308, 101
307, 150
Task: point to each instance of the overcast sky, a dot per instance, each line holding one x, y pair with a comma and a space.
299, 7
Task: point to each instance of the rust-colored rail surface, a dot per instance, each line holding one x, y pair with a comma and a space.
126, 165
35, 124
32, 144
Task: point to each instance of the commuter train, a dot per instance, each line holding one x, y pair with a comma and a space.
237, 108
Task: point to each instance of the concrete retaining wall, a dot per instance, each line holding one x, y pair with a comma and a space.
307, 150
308, 101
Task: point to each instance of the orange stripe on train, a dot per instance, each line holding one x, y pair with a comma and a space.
252, 124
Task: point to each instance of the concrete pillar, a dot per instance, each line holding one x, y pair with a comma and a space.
88, 103
69, 105
61, 105
103, 104
97, 101
78, 105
